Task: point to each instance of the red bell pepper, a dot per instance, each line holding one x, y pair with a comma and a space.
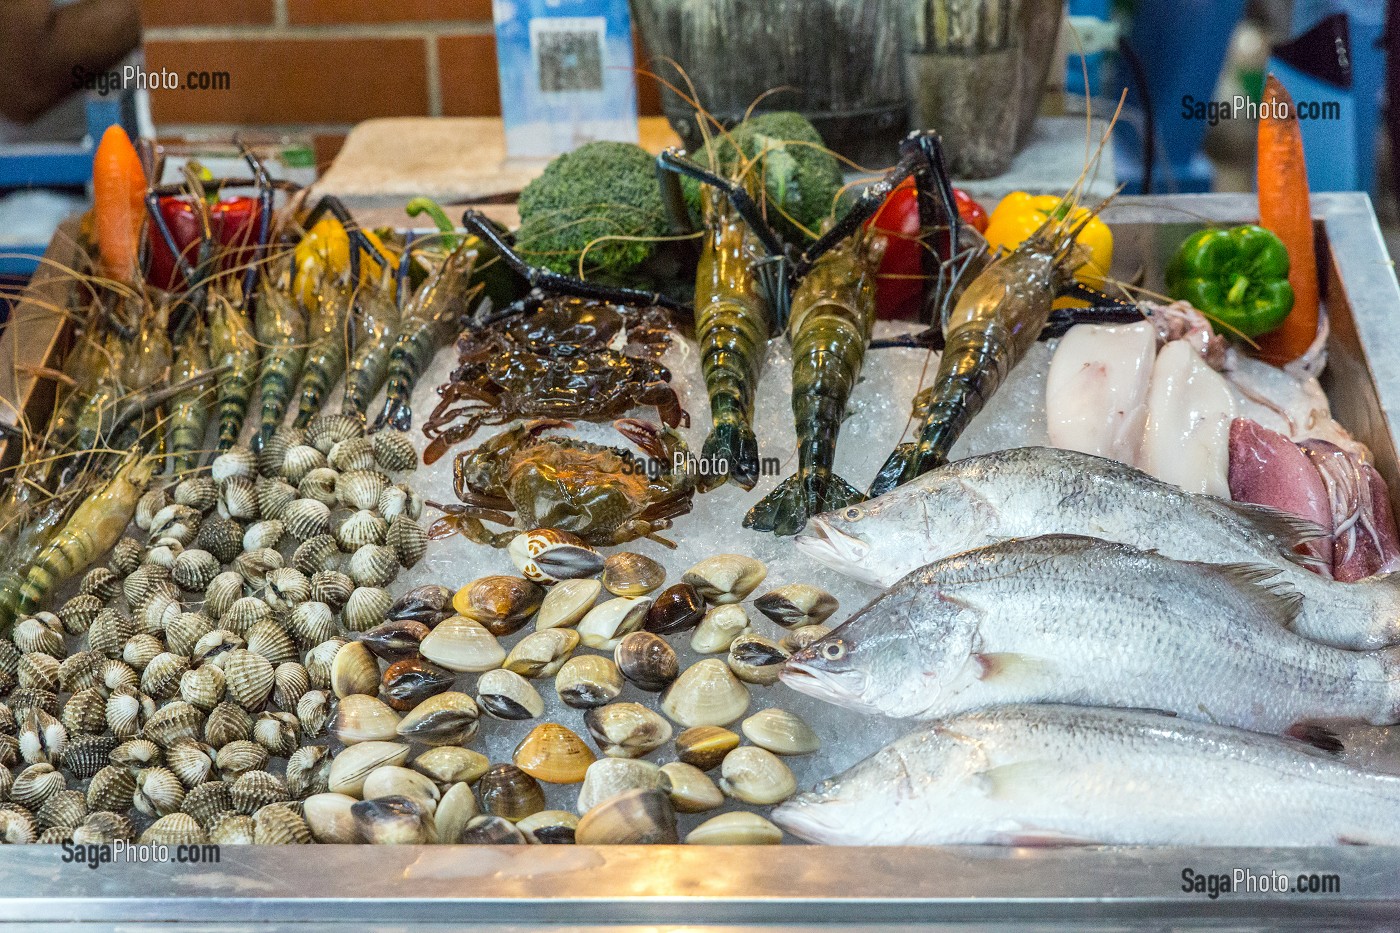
899, 284
233, 222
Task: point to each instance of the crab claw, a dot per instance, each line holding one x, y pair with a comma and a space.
652, 439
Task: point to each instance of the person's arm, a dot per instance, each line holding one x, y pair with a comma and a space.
41, 44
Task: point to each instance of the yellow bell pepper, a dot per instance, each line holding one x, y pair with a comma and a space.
1020, 214
326, 248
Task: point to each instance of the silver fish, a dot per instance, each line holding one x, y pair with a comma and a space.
1066, 619
1028, 775
1040, 490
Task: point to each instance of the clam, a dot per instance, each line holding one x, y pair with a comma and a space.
174, 829
220, 536
238, 498
244, 614
103, 827
202, 687
781, 732
409, 682
33, 786
158, 792
239, 758
553, 754
207, 802
318, 485
508, 792
360, 489
213, 647
289, 684
488, 830
398, 781
314, 712
460, 644
626, 730
256, 565
350, 768
279, 825
630, 574
255, 790
277, 732
360, 528
317, 553
273, 455
332, 588
147, 506
194, 569
608, 777
233, 829
566, 603
456, 808
273, 495
222, 592
308, 771
77, 614
360, 718
101, 582
127, 555
325, 431
545, 555
110, 789
135, 754
236, 461
161, 677
329, 818
353, 453
500, 603
263, 534
706, 694
606, 623
355, 670
41, 633
726, 578
173, 722
117, 674
109, 633
797, 604
799, 638
200, 493
40, 671
506, 695
192, 762
248, 678
299, 460
85, 756
718, 629
318, 662
186, 629
373, 565
396, 639
677, 608
449, 718
755, 659
306, 518
64, 810
549, 827
394, 451
755, 775
542, 654
400, 499
452, 764
366, 607
428, 604
285, 587
634, 817
18, 828
42, 737
312, 623
271, 640
587, 681
81, 671
228, 722
739, 828
392, 821
407, 539
647, 660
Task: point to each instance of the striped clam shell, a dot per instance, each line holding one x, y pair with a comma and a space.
325, 431
206, 801
300, 460
274, 495
194, 569
279, 825
354, 453
306, 518
103, 827
111, 789
394, 451
273, 455
239, 758
373, 565
220, 536
64, 810
360, 528
85, 712
236, 461
408, 540
101, 582
173, 722
200, 493
227, 723
332, 588
174, 829
238, 498
290, 683
360, 489
255, 790
312, 623
248, 679
202, 687
126, 556
545, 555
269, 639
79, 612
316, 554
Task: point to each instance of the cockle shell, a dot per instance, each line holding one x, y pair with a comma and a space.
299, 460
394, 451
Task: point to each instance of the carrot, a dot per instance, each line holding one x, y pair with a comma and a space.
119, 209
1284, 209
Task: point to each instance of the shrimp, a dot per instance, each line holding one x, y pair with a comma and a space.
832, 317
325, 357
429, 320
995, 321
377, 324
281, 330
189, 414
732, 328
231, 345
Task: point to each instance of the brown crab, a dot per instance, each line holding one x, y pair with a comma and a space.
604, 495
561, 357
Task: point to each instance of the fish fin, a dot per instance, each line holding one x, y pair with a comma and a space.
786, 509
1286, 532
893, 469
732, 443
1277, 598
1316, 736
1007, 664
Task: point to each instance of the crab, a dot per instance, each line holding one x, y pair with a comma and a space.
557, 357
604, 495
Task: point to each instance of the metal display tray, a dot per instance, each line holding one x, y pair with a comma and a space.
802, 886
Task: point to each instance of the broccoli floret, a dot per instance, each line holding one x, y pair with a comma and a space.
601, 189
801, 178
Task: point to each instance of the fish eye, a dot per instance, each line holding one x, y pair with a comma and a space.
834, 650
853, 514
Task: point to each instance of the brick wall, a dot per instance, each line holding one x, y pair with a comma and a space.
320, 66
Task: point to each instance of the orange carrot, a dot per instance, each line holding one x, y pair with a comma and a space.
118, 190
1284, 209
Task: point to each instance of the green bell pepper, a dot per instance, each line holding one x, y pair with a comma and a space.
1238, 277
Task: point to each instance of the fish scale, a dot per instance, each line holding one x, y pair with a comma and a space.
1064, 774
1065, 619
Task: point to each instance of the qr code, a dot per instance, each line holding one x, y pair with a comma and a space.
568, 53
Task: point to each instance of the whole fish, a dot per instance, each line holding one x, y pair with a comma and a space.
1032, 491
833, 314
1068, 619
1036, 775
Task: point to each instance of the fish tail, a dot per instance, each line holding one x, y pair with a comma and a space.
786, 509
733, 444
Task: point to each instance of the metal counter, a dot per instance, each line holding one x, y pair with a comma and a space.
799, 886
